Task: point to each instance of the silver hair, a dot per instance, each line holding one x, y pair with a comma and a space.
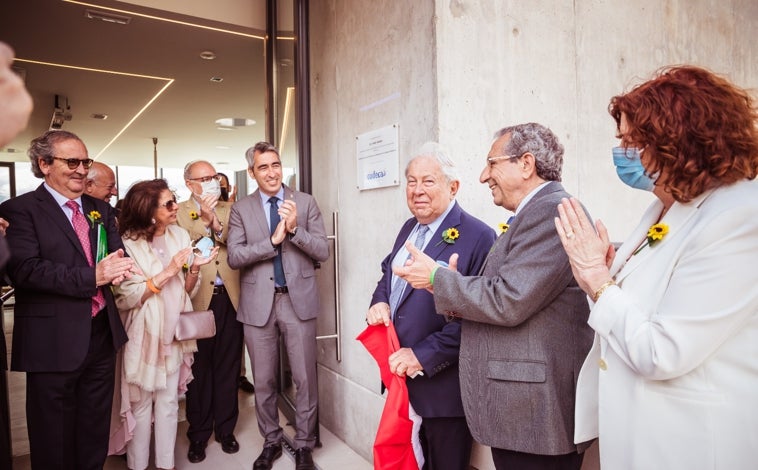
95, 170
439, 153
260, 147
539, 141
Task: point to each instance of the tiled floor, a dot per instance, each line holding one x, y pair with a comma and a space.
333, 455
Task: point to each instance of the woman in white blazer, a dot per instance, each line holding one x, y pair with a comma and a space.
671, 381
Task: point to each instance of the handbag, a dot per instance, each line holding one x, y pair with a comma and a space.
197, 324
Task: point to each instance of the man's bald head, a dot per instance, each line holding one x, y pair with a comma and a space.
101, 182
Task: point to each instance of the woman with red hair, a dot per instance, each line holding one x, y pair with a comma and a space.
672, 378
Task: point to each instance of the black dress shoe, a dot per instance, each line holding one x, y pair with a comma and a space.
196, 451
266, 460
229, 444
304, 459
245, 385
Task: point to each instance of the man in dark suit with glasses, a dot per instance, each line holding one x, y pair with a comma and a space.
66, 325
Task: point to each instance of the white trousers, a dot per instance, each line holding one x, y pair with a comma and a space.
161, 408
415, 441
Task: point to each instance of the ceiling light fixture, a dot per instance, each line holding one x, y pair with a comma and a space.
168, 81
207, 55
142, 15
107, 17
235, 122
217, 79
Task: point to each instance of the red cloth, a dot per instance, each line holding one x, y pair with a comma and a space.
392, 447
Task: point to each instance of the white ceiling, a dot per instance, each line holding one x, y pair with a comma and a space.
128, 66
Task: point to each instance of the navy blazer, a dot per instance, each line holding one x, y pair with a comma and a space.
434, 340
54, 283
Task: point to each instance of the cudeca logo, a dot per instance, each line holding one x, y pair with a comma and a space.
376, 174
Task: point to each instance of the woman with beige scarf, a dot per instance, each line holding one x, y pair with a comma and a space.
154, 367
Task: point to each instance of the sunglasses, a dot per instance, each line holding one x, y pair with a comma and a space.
73, 163
170, 204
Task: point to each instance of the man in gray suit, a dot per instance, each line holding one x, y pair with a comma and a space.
275, 235
524, 333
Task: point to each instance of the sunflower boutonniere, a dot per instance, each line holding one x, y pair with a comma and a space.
193, 215
95, 218
654, 235
503, 227
449, 236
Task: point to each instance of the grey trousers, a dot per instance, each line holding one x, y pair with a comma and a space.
263, 346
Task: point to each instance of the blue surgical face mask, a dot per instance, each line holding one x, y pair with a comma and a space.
630, 170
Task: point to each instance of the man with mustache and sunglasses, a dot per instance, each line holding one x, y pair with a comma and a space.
66, 325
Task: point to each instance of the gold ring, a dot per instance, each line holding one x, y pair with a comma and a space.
569, 235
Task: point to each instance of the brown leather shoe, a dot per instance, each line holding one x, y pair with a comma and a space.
304, 459
266, 460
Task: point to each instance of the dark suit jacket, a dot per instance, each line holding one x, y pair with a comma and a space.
525, 335
434, 340
250, 251
54, 283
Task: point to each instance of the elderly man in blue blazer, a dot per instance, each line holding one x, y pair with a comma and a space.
429, 342
525, 332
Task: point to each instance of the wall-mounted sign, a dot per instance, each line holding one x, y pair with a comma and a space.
378, 159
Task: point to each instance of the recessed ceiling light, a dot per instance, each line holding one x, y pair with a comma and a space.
99, 116
223, 147
207, 55
107, 17
217, 79
235, 122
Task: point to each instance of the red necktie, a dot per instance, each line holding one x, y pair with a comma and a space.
81, 227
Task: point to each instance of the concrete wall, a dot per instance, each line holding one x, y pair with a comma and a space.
458, 70
362, 53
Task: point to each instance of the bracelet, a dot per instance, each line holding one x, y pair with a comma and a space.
153, 288
602, 289
194, 272
431, 275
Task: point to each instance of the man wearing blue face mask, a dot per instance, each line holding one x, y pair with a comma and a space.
630, 170
212, 395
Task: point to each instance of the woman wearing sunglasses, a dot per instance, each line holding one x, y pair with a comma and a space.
154, 367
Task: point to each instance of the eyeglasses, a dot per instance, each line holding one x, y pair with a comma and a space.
206, 179
170, 204
73, 163
491, 160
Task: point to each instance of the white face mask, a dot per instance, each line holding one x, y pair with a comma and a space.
212, 187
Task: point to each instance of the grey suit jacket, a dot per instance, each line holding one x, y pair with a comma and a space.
525, 335
251, 251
